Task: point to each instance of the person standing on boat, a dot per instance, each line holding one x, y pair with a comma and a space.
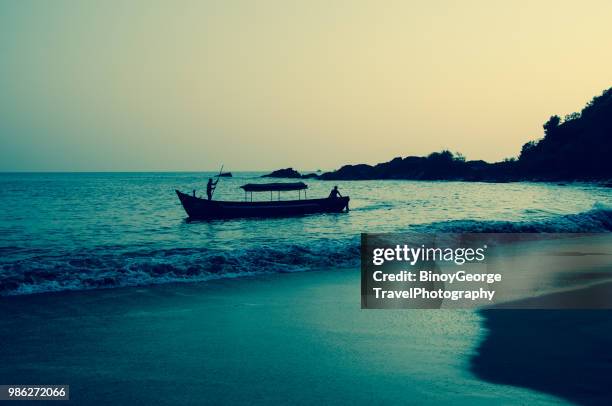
335, 193
210, 187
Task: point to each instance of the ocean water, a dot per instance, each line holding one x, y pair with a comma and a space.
73, 231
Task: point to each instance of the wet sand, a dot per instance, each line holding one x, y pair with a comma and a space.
562, 352
291, 338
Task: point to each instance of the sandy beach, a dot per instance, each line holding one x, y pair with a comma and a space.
291, 338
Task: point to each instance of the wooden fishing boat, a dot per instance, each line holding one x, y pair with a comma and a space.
199, 208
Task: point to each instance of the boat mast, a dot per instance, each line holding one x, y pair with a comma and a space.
218, 179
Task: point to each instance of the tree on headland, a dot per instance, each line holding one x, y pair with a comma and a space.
527, 148
572, 116
578, 147
551, 125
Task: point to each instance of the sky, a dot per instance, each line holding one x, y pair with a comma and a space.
259, 85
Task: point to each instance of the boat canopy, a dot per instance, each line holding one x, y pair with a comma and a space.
273, 187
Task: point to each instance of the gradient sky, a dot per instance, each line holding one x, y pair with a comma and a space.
186, 85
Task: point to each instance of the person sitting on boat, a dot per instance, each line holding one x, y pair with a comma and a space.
210, 187
335, 193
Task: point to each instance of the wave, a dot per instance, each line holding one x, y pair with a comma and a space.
378, 206
596, 220
108, 267
82, 270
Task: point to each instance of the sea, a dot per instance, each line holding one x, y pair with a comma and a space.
78, 231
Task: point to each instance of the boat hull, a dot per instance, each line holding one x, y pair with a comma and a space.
198, 208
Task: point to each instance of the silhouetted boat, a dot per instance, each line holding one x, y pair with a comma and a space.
199, 208
225, 175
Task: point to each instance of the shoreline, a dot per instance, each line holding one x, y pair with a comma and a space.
258, 340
